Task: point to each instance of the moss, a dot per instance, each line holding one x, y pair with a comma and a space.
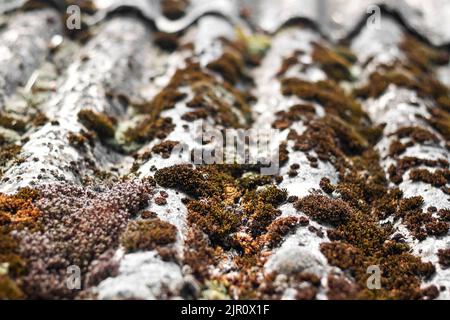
148, 235
440, 120
8, 152
396, 148
404, 164
444, 258
280, 228
166, 41
149, 129
164, 149
334, 64
329, 95
198, 254
103, 125
439, 178
297, 112
229, 66
421, 55
214, 219
186, 179
324, 209
195, 115
288, 63
12, 123
174, 9
417, 134
9, 289
444, 214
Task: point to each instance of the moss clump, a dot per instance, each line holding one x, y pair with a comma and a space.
280, 228
12, 123
198, 254
336, 64
174, 9
444, 258
404, 164
17, 212
9, 289
148, 235
439, 178
148, 129
195, 115
229, 66
329, 95
186, 179
298, 112
422, 56
103, 125
324, 209
416, 134
166, 41
440, 120
215, 219
165, 148
8, 152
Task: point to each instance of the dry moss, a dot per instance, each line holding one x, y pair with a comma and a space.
444, 258
324, 209
336, 64
164, 149
174, 9
148, 235
103, 125
12, 123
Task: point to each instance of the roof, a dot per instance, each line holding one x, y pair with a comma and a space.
356, 109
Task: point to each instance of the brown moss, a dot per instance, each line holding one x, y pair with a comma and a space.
444, 258
148, 235
103, 125
174, 9
229, 66
440, 120
324, 209
438, 178
150, 129
329, 95
12, 123
186, 179
195, 115
421, 55
164, 149
8, 152
335, 65
214, 219
298, 112
166, 41
198, 254
287, 63
9, 289
280, 228
417, 134
404, 164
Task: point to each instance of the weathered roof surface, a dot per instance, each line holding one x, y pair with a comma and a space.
357, 110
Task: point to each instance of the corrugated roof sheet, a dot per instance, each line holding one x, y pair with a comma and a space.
359, 114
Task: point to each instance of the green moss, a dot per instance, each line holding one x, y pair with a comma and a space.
148, 235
